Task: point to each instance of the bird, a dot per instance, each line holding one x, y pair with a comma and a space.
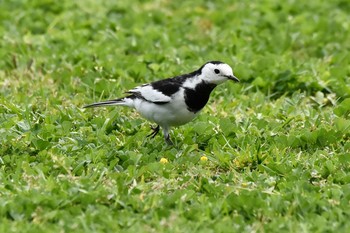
174, 101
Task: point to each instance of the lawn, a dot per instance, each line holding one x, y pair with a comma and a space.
270, 154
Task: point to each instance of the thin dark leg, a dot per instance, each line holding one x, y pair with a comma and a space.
154, 132
167, 136
167, 139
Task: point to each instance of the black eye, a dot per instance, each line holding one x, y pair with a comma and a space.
217, 71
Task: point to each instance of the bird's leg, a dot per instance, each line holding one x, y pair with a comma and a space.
154, 132
167, 139
167, 136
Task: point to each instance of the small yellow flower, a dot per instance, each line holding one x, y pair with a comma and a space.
163, 161
204, 158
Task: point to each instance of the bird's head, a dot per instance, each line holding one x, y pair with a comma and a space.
217, 72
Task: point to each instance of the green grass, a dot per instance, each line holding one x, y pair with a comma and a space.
277, 144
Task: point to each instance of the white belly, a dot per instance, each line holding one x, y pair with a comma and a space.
174, 113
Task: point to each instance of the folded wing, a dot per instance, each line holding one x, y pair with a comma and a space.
150, 94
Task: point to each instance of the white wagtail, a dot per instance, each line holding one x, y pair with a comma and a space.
174, 101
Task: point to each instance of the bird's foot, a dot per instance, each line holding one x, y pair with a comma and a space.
154, 132
168, 141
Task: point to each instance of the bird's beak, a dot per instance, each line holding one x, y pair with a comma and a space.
233, 78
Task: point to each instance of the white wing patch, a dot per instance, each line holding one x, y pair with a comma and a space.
150, 94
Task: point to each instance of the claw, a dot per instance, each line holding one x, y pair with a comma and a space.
154, 132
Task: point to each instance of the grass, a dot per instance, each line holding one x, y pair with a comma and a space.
271, 154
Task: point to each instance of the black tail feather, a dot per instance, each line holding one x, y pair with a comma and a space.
104, 103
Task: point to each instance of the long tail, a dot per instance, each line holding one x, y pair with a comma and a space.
121, 101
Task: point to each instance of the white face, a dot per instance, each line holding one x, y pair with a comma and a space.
217, 73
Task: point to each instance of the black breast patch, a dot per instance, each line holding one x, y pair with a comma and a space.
197, 98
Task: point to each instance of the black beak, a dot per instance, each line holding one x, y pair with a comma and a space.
233, 78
